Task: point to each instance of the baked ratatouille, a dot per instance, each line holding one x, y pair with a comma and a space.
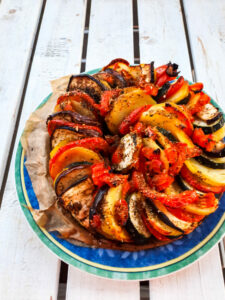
137, 153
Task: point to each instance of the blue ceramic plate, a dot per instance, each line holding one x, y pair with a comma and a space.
117, 264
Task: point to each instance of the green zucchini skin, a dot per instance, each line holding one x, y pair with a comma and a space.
209, 162
210, 128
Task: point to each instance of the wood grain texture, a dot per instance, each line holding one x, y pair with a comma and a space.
162, 35
94, 288
110, 36
17, 34
162, 38
202, 281
27, 268
110, 33
206, 26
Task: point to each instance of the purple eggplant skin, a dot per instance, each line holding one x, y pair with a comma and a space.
120, 82
172, 69
97, 200
62, 133
88, 84
152, 73
72, 175
71, 116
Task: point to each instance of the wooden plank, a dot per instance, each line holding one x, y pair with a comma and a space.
111, 33
27, 269
110, 36
208, 44
17, 34
162, 38
193, 282
90, 287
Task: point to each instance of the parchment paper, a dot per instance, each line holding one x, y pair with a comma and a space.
36, 143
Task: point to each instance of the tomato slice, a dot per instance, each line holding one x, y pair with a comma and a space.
197, 184
184, 215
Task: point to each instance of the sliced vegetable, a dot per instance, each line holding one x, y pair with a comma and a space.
88, 84
199, 183
78, 200
209, 128
70, 175
207, 175
124, 105
181, 95
209, 113
214, 163
218, 150
73, 116
126, 154
135, 225
64, 158
109, 226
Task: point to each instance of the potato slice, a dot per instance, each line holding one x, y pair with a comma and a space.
124, 105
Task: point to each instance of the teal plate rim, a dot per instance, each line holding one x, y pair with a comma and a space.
179, 263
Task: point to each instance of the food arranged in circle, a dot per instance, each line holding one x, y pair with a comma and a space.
137, 153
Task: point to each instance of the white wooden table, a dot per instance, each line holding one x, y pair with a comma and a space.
43, 40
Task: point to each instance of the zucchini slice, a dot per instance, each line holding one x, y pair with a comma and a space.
124, 105
88, 84
155, 221
168, 218
207, 175
109, 227
214, 163
70, 175
135, 225
181, 95
199, 209
209, 128
218, 151
219, 134
185, 186
78, 200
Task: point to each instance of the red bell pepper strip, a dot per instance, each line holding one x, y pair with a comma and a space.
203, 140
175, 87
53, 124
102, 175
106, 98
196, 87
182, 116
179, 200
151, 89
197, 184
185, 215
132, 118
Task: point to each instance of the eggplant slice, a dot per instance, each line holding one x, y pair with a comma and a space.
66, 133
218, 151
209, 128
78, 200
209, 113
72, 116
95, 208
214, 163
71, 175
88, 84
135, 225
119, 80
